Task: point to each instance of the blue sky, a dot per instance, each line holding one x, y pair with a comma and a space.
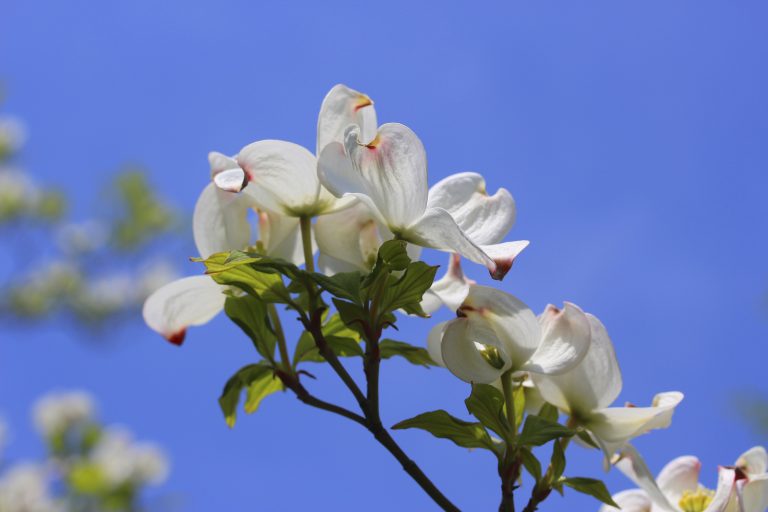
632, 135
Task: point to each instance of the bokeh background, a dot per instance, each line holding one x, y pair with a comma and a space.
632, 135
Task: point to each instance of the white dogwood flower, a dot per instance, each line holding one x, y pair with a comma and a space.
281, 176
220, 223
497, 333
389, 175
586, 391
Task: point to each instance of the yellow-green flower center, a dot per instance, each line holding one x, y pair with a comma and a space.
696, 501
491, 355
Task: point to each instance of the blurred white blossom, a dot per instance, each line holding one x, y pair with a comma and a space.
122, 460
82, 237
24, 488
57, 411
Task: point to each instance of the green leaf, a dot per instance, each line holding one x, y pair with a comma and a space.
394, 254
591, 486
537, 431
259, 388
260, 381
441, 424
413, 354
250, 314
549, 412
557, 461
342, 340
344, 285
306, 350
407, 291
352, 315
335, 326
262, 282
531, 463
486, 403
587, 439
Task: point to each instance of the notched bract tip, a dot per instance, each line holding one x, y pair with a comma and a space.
231, 180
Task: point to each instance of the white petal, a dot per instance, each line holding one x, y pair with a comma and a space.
634, 467
725, 493
613, 427
592, 384
220, 221
341, 107
282, 177
632, 500
463, 340
189, 301
281, 237
220, 162
504, 254
565, 339
389, 173
485, 219
450, 290
435, 343
754, 461
679, 475
754, 494
513, 321
350, 236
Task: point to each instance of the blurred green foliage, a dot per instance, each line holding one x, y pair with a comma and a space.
94, 269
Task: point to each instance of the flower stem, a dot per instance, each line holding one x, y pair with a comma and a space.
306, 241
509, 400
510, 468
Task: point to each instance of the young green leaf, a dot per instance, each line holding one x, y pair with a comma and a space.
345, 285
344, 342
549, 412
441, 424
486, 403
414, 355
260, 387
409, 289
591, 486
587, 439
537, 431
531, 463
352, 315
262, 282
250, 314
557, 461
260, 380
394, 254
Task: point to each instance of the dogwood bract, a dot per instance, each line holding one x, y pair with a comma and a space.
220, 223
497, 333
586, 391
389, 175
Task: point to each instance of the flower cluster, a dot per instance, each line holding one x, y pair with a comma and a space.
89, 466
362, 203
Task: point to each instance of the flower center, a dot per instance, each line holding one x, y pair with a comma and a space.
696, 501
491, 355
